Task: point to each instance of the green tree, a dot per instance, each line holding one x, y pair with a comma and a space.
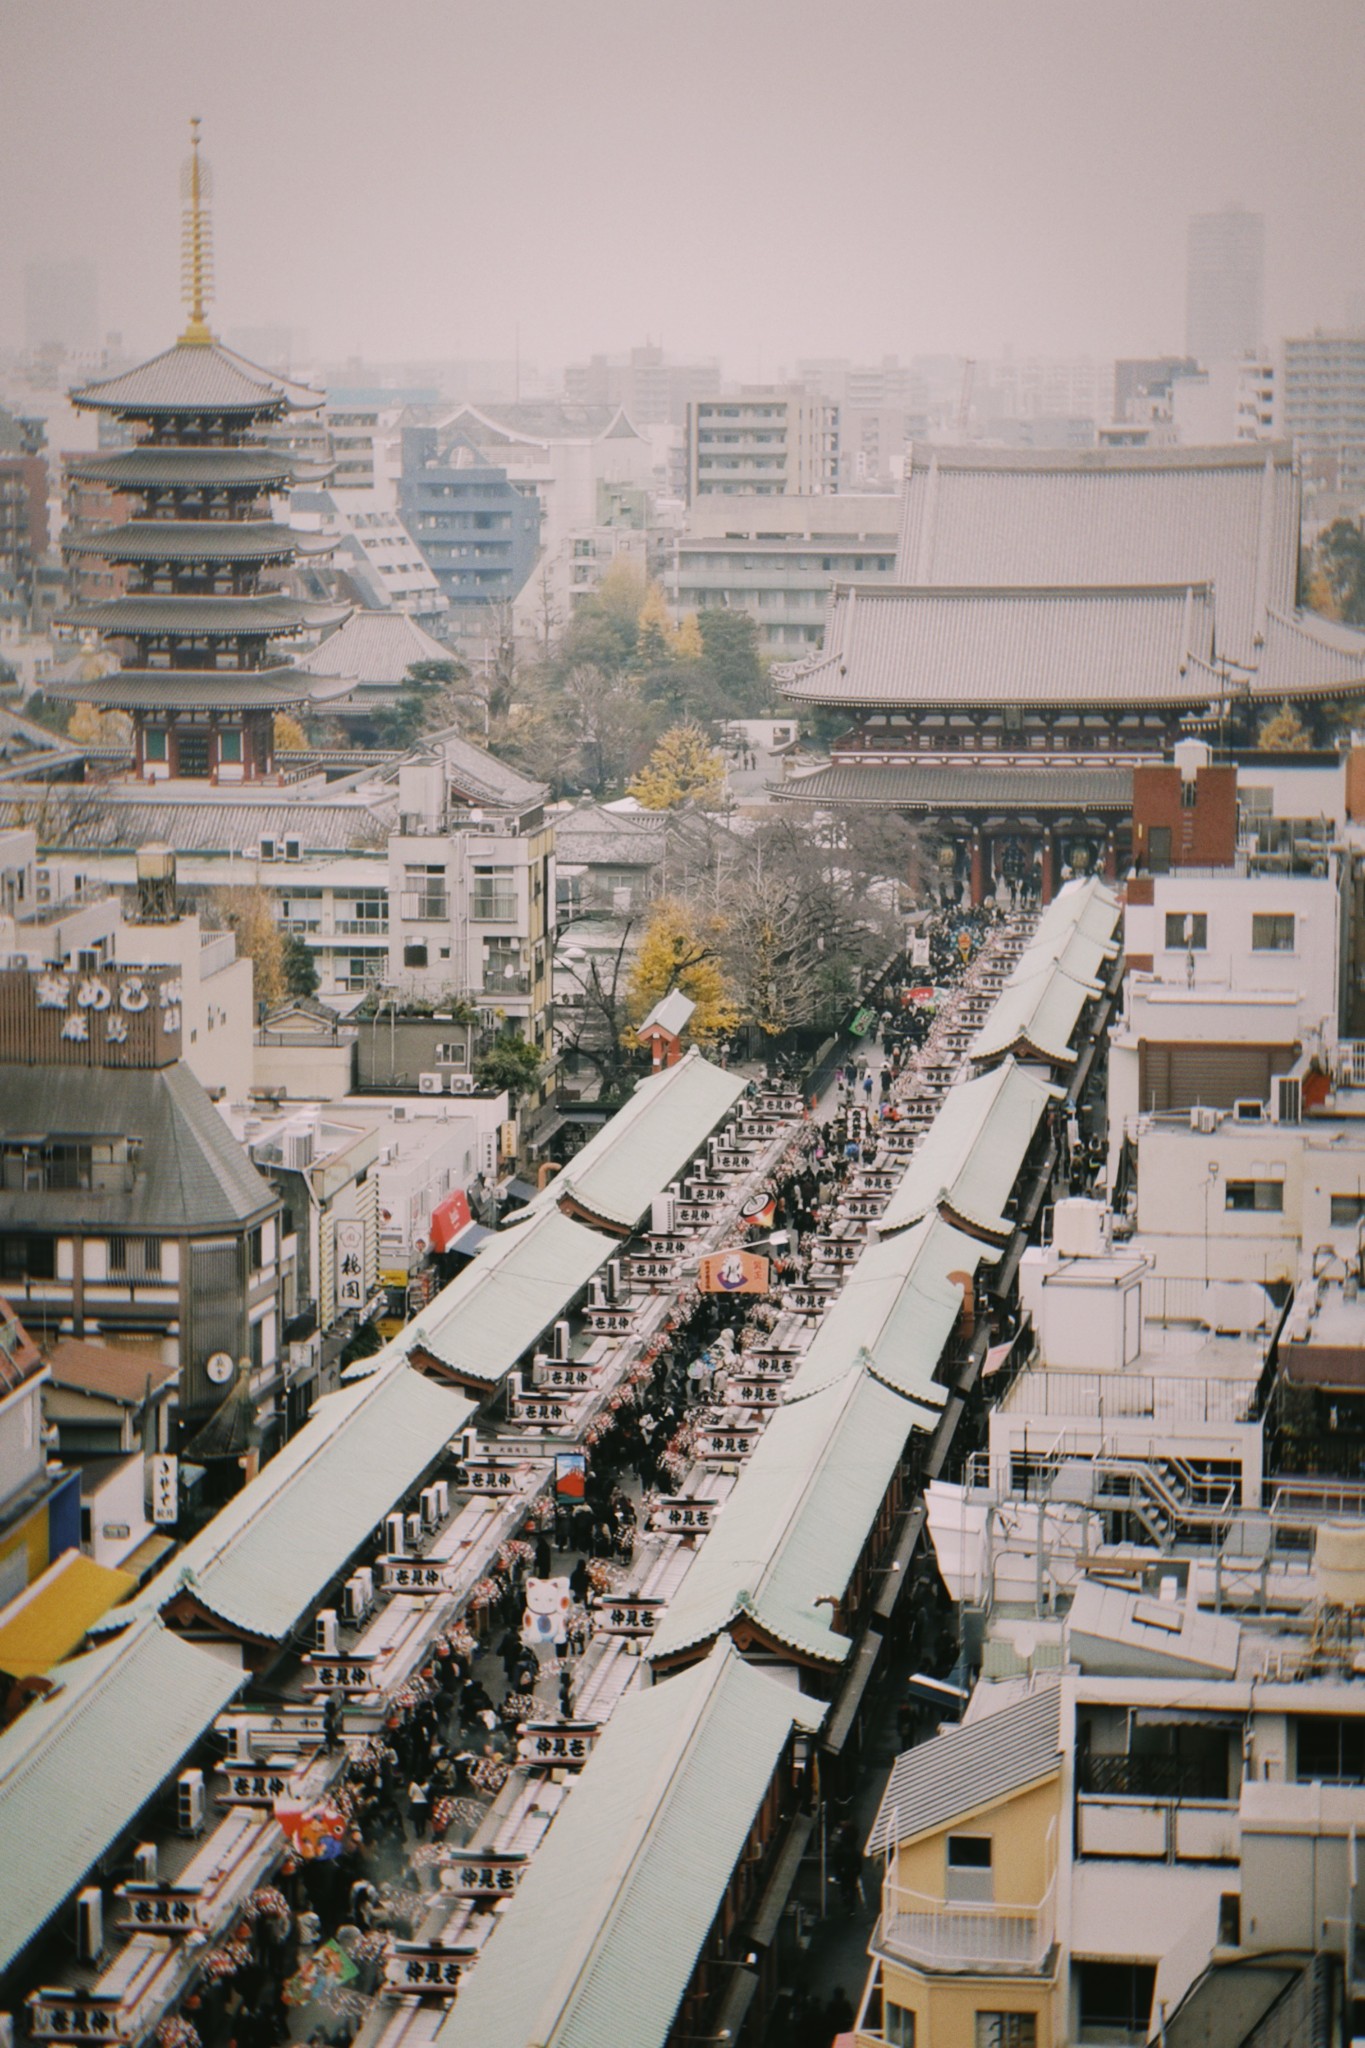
299, 966
683, 768
1340, 556
730, 647
511, 1063
430, 697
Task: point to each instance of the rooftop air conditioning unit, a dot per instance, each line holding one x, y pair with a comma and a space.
440, 1493
364, 1582
326, 1636
237, 1730
1203, 1118
428, 1084
400, 1112
298, 1150
145, 1863
351, 1608
395, 1536
462, 1084
189, 1803
414, 1530
561, 1340
597, 1294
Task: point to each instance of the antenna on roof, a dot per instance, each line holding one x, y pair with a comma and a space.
196, 239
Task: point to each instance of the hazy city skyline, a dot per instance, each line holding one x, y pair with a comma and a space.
759, 183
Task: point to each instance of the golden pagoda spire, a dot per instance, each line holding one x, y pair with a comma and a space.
196, 240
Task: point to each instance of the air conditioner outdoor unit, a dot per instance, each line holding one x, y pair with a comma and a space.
395, 1536
428, 1084
352, 1607
615, 1281
145, 1863
400, 1112
189, 1803
238, 1733
414, 1530
89, 1922
561, 1340
428, 1505
364, 1581
597, 1294
326, 1636
1202, 1118
440, 1493
461, 1084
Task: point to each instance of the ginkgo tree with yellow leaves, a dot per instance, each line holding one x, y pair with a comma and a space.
681, 949
684, 768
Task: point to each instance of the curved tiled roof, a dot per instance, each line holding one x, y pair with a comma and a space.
190, 616
1226, 516
1306, 655
928, 786
186, 469
197, 377
191, 689
374, 647
194, 540
890, 646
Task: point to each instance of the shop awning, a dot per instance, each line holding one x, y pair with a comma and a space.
469, 1240
48, 1621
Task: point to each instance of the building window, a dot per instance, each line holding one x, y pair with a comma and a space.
898, 2026
1187, 931
1189, 794
494, 895
424, 893
1158, 848
1115, 1999
1272, 931
134, 1258
415, 955
1329, 1749
1347, 1210
450, 1055
1006, 2030
28, 1258
1265, 1196
256, 1248
969, 1869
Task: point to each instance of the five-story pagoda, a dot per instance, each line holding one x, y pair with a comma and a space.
195, 629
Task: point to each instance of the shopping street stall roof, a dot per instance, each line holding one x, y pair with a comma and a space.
604, 1933
263, 1560
790, 1534
1087, 906
970, 1157
645, 1145
77, 1767
1035, 1019
493, 1312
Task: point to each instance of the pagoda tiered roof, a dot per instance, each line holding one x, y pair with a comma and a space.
196, 540
198, 689
157, 468
192, 616
194, 378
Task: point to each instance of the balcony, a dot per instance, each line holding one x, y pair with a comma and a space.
424, 907
360, 927
929, 1935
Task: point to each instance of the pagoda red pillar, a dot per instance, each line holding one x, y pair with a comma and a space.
978, 891
1048, 858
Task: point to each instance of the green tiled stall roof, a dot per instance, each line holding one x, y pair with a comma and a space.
971, 1154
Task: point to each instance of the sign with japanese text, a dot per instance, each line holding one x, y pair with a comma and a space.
350, 1264
566, 1378
479, 1873
732, 1162
159, 1909
756, 1130
690, 1215
681, 1517
165, 1489
556, 1745
725, 1446
545, 1413
254, 1785
610, 1322
805, 1301
98, 1017
343, 1674
626, 1617
413, 1577
485, 1475
649, 1272
418, 1969
754, 1391
75, 2016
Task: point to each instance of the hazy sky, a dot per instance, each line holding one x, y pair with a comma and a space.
755, 179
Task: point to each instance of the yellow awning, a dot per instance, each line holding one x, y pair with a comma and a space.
47, 1622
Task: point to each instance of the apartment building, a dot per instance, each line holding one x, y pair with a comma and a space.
778, 558
769, 440
1323, 404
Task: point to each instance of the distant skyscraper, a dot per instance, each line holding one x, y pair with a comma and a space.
61, 306
1223, 284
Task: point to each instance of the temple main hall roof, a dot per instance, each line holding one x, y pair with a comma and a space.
1225, 516
194, 377
968, 785
887, 645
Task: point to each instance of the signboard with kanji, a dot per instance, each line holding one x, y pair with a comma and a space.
681, 1517
75, 2016
254, 1785
556, 1745
157, 1909
165, 1489
485, 1475
633, 1616
610, 1322
342, 1674
412, 1577
477, 1873
350, 1265
420, 1970
755, 1391
725, 1446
